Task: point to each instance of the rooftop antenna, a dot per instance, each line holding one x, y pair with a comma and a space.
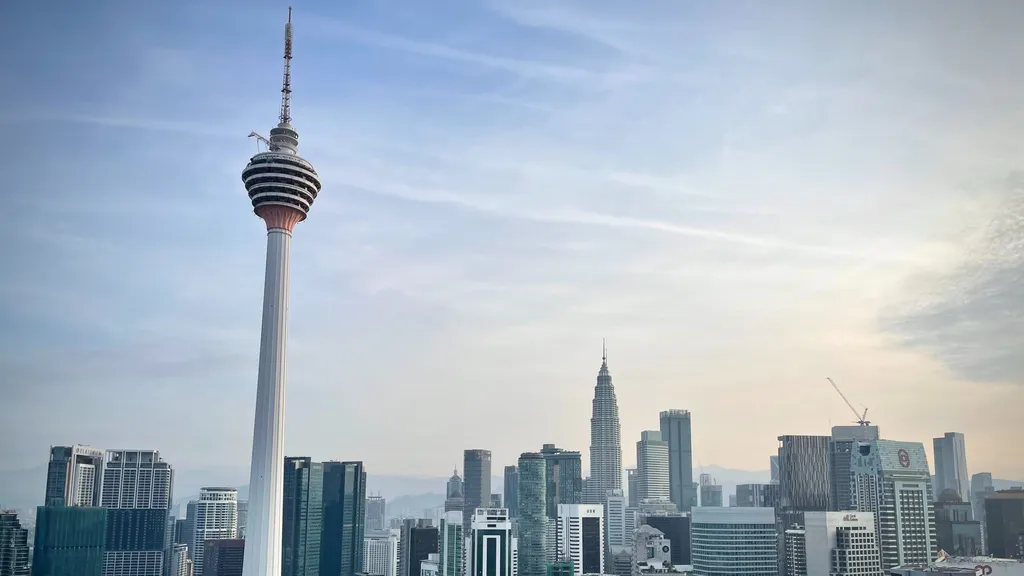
286, 88
604, 352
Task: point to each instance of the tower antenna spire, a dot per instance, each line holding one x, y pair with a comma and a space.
604, 351
286, 88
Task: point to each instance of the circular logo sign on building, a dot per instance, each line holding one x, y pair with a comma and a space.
904, 457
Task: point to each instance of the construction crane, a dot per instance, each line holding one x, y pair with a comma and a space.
862, 419
259, 139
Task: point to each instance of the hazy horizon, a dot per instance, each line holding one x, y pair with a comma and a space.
743, 198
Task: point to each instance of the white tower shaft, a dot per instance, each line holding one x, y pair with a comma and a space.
266, 481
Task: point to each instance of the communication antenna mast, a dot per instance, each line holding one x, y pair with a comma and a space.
286, 88
862, 419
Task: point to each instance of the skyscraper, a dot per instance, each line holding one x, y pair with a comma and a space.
675, 430
564, 474
376, 514
380, 553
605, 439
476, 470
981, 486
213, 517
804, 480
281, 187
451, 549
13, 545
735, 541
419, 539
1004, 523
137, 488
893, 482
302, 515
490, 551
631, 487
845, 440
833, 543
533, 518
581, 537
615, 536
652, 467
951, 465
512, 491
342, 534
224, 557
455, 485
73, 476
69, 540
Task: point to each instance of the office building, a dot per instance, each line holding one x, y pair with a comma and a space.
455, 485
652, 467
490, 548
137, 488
511, 487
676, 432
773, 465
418, 540
605, 440
376, 514
981, 486
833, 544
757, 495
893, 482
452, 547
958, 533
676, 528
476, 469
735, 541
631, 488
69, 540
178, 563
73, 476
380, 552
564, 474
302, 517
951, 465
615, 526
804, 480
845, 440
431, 565
13, 545
652, 552
213, 517
224, 557
344, 511
1004, 523
580, 538
533, 518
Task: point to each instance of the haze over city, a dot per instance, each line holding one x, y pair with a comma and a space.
743, 201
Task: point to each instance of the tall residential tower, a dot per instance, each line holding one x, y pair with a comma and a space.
282, 187
605, 439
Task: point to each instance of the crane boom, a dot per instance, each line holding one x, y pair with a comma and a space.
862, 419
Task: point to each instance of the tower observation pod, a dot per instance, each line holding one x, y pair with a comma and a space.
282, 187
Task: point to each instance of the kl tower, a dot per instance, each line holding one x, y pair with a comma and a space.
282, 187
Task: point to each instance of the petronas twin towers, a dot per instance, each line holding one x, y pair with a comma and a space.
605, 440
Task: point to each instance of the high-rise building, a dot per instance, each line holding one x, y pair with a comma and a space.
178, 564
224, 557
73, 476
615, 535
419, 539
490, 548
302, 517
804, 480
69, 540
845, 440
533, 518
652, 467
981, 486
137, 489
734, 541
281, 186
773, 465
476, 470
676, 528
833, 544
455, 485
757, 495
676, 431
652, 552
951, 465
581, 536
710, 491
431, 566
1004, 523
564, 475
605, 440
451, 548
344, 502
243, 517
13, 545
892, 481
380, 553
631, 487
376, 514
958, 533
512, 491
213, 517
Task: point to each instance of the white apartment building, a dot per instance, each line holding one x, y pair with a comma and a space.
380, 553
652, 467
580, 537
213, 517
734, 541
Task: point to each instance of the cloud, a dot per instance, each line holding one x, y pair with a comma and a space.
973, 318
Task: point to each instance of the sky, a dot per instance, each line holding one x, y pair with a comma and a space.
743, 198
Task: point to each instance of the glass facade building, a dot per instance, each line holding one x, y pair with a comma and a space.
675, 429
70, 541
13, 545
564, 477
512, 491
344, 505
476, 483
533, 518
302, 515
